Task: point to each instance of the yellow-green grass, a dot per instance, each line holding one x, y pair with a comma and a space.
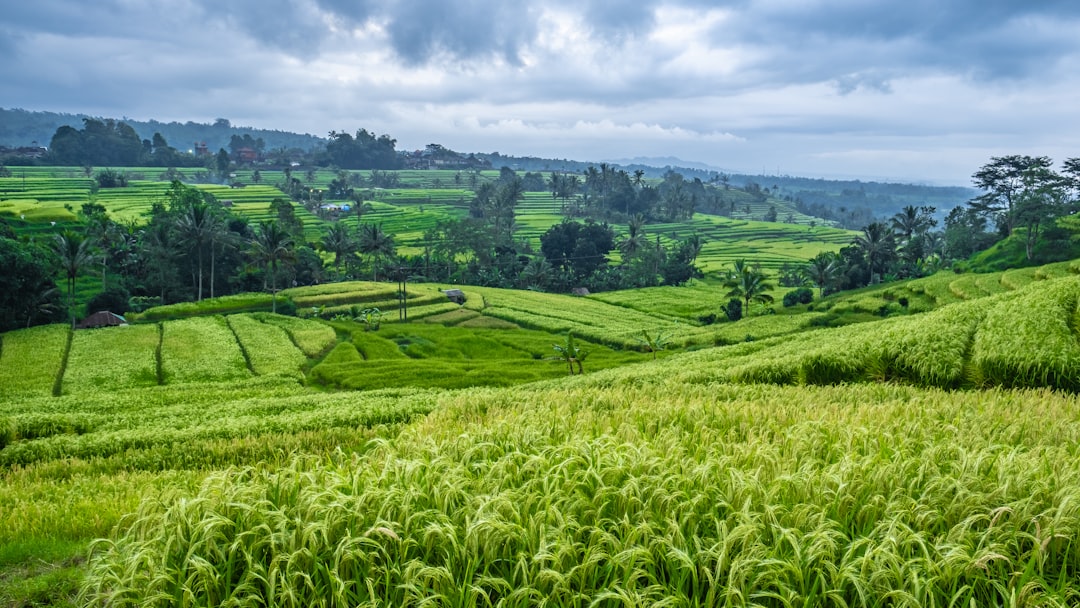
1032, 340
267, 348
30, 360
433, 355
201, 349
642, 494
241, 302
109, 358
311, 337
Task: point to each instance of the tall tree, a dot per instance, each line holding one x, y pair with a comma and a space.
748, 284
339, 242
878, 247
194, 228
823, 271
376, 243
73, 251
272, 246
1003, 180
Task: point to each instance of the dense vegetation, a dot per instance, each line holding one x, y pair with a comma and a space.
742, 474
820, 417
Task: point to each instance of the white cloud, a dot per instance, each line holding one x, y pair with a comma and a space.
918, 90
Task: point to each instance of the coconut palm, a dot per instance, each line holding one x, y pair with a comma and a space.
877, 245
748, 284
537, 273
194, 227
73, 250
360, 206
823, 271
272, 246
377, 243
636, 239
339, 242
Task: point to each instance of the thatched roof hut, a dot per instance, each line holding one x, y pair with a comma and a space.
580, 291
102, 318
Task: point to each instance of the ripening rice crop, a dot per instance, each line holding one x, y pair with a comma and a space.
1031, 340
201, 349
268, 349
112, 357
655, 494
30, 360
311, 337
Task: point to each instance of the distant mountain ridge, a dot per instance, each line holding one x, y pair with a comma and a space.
20, 127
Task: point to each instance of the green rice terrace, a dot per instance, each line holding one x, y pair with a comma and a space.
913, 444
40, 199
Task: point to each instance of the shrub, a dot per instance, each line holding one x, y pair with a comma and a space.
113, 299
733, 310
802, 295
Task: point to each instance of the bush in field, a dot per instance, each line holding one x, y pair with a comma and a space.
802, 295
113, 299
734, 309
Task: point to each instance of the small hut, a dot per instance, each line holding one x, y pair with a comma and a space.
580, 291
101, 318
455, 295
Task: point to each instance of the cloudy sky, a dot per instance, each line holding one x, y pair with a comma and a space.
923, 90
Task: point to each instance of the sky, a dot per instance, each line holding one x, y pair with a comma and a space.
920, 90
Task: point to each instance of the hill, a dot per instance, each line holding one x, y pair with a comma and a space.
827, 463
22, 128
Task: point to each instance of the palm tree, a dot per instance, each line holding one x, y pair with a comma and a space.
822, 271
537, 273
217, 234
912, 220
160, 248
360, 206
194, 227
73, 249
639, 178
747, 283
877, 245
377, 243
103, 232
271, 246
636, 239
339, 242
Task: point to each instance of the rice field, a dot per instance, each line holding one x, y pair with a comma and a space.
925, 459
656, 494
201, 349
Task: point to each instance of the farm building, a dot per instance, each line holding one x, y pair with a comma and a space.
455, 295
102, 318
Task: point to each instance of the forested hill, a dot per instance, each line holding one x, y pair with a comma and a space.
23, 128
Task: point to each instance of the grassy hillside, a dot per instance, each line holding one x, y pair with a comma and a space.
35, 197
922, 453
829, 466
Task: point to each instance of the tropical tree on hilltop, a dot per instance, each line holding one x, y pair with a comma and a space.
271, 247
339, 242
194, 227
748, 284
377, 243
73, 250
878, 246
823, 271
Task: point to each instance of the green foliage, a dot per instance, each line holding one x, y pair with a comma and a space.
201, 349
845, 495
802, 295
734, 309
241, 302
